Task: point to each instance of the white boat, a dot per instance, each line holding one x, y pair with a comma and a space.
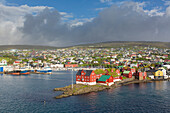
45, 70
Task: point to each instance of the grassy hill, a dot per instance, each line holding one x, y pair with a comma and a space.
127, 44
94, 45
4, 47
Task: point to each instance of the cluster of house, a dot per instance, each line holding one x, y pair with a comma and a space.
138, 57
75, 57
159, 73
89, 77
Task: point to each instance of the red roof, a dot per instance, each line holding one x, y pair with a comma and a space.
17, 61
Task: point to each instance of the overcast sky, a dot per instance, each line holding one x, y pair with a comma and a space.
72, 22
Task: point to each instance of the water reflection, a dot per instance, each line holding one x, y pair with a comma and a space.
137, 86
142, 85
160, 85
131, 86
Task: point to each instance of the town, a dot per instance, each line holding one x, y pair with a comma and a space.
101, 65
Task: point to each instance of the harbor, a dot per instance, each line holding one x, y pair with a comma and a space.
28, 93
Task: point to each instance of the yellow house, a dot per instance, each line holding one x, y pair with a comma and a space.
158, 73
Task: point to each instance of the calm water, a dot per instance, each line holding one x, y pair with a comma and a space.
27, 93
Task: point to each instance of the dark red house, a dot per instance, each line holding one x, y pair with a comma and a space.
141, 75
127, 74
133, 70
99, 75
86, 77
118, 71
106, 80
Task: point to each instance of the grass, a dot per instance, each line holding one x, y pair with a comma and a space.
84, 86
148, 78
115, 75
99, 71
124, 78
5, 58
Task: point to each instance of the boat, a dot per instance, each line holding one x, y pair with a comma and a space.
25, 72
18, 72
13, 72
45, 70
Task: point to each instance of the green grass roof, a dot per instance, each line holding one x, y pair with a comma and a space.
104, 77
126, 72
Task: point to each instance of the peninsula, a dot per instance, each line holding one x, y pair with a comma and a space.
79, 89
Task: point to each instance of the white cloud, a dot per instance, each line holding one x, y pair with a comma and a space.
80, 22
100, 9
127, 21
105, 1
168, 11
166, 2
109, 2
66, 15
12, 17
12, 13
154, 12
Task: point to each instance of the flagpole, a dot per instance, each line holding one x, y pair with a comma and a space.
72, 77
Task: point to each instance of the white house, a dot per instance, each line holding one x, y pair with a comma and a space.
3, 62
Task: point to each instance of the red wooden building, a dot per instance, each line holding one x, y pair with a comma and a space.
71, 65
99, 75
118, 71
141, 75
119, 78
106, 80
86, 77
127, 74
133, 70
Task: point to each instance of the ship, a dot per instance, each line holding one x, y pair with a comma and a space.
18, 72
45, 70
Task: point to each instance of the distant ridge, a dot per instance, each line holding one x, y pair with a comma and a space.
126, 44
108, 44
4, 47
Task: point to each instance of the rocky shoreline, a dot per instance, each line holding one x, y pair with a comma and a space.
79, 89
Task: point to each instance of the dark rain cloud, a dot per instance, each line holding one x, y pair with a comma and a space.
128, 22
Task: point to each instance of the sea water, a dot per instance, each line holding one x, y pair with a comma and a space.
34, 93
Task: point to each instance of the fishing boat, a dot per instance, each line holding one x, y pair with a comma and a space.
25, 72
45, 70
13, 73
21, 71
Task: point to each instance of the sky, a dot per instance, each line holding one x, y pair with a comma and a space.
71, 22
